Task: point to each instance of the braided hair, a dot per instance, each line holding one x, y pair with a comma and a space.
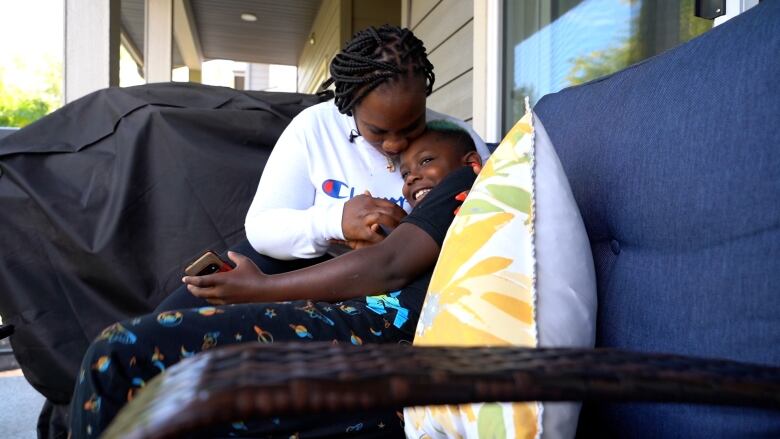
372, 57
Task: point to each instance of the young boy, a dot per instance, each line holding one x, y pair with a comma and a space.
300, 305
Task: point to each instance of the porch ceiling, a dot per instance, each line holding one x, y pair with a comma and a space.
277, 37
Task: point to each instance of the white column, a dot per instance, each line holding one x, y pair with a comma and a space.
186, 38
91, 46
487, 93
158, 40
406, 12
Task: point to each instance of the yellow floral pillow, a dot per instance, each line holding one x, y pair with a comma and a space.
483, 289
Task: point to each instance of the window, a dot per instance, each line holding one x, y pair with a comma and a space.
553, 44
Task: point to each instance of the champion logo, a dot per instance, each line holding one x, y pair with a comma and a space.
339, 189
335, 189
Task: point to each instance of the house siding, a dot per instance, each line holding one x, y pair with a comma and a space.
335, 23
257, 76
313, 63
446, 27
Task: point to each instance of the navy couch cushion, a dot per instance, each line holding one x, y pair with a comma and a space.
675, 165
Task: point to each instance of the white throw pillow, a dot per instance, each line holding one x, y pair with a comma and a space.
565, 276
515, 269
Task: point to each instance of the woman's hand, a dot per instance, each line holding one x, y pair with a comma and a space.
239, 285
354, 245
363, 214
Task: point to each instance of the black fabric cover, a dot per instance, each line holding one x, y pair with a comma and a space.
103, 202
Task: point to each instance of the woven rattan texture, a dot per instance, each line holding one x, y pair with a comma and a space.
258, 380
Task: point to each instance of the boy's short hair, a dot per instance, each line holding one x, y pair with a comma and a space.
454, 133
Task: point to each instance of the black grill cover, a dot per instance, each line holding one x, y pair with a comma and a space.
103, 202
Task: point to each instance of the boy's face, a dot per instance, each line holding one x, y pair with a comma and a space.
426, 162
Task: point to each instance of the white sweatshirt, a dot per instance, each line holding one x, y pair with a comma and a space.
312, 171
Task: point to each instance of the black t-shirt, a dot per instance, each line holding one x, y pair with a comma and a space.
434, 215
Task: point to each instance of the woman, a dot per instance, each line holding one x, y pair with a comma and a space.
313, 190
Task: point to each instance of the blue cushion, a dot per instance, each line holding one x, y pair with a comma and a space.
675, 165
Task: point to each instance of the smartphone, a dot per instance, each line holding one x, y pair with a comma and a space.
207, 263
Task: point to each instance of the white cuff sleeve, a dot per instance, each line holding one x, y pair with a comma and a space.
332, 224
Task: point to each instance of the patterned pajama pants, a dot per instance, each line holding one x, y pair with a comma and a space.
128, 354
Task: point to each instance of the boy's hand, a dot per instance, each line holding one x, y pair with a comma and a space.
239, 285
363, 214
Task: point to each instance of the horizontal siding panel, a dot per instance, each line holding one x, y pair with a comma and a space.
419, 9
330, 49
326, 33
454, 57
324, 28
443, 21
454, 98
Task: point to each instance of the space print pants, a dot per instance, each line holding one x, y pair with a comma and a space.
126, 355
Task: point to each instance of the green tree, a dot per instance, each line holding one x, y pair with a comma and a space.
20, 107
639, 45
602, 62
690, 25
22, 113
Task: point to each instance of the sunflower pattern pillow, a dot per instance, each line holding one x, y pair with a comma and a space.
482, 292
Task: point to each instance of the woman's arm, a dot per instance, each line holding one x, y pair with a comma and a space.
285, 219
282, 221
402, 257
